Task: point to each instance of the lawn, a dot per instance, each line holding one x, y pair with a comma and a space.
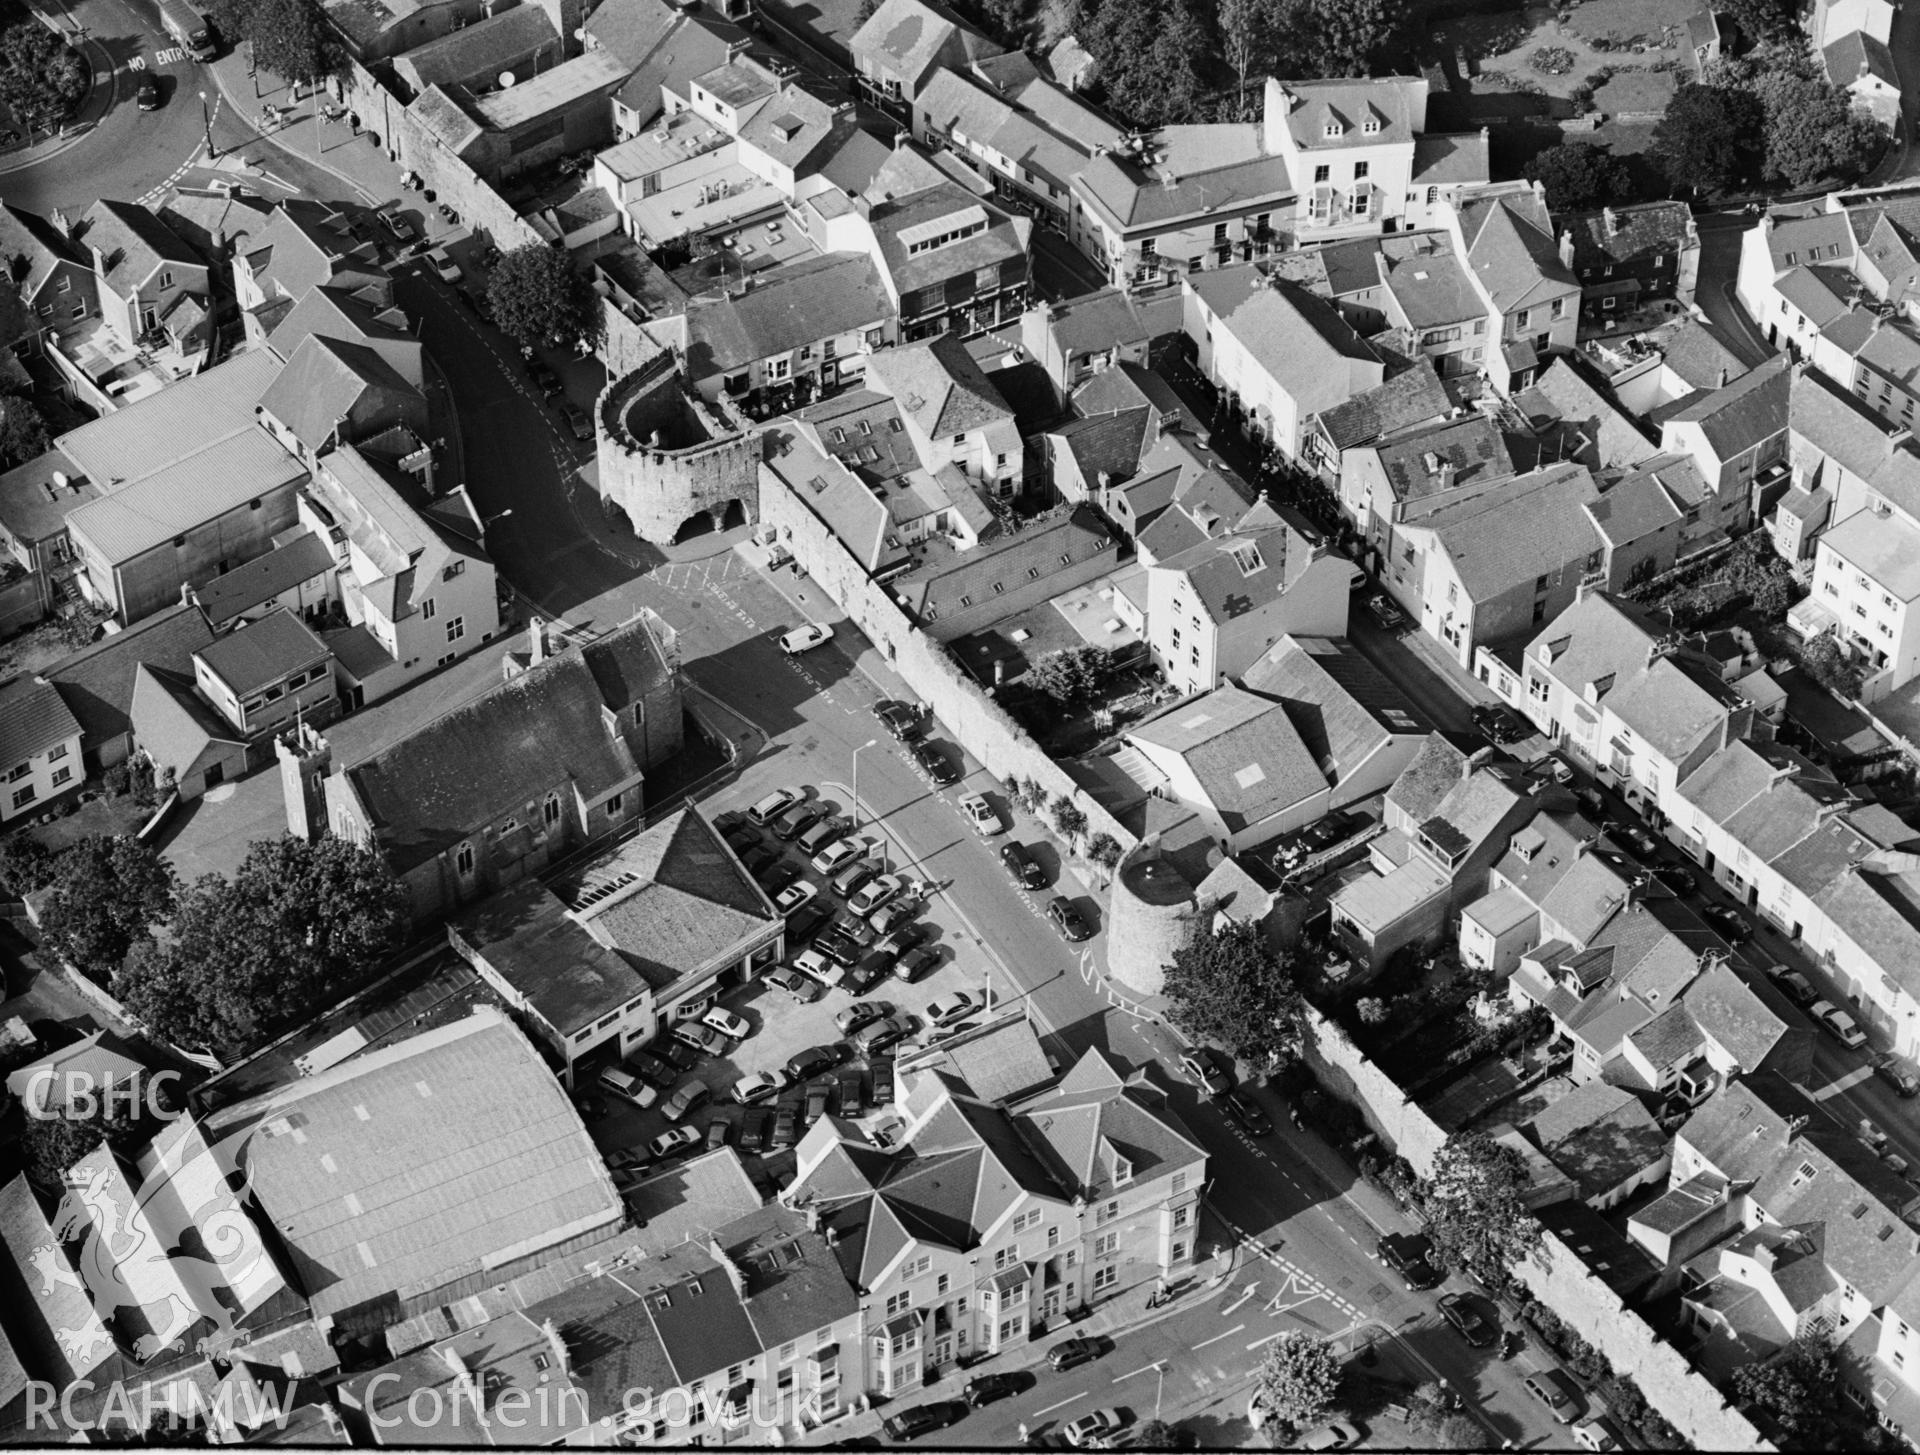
1555, 51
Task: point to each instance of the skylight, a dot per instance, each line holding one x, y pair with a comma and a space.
1251, 774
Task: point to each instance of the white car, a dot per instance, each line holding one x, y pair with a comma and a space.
789, 900
444, 265
1596, 1435
773, 805
1839, 1023
984, 817
1091, 1427
760, 1086
816, 965
875, 893
727, 1023
680, 1139
805, 638
947, 1009
836, 856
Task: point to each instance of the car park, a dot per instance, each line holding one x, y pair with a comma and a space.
1095, 1425
837, 856
681, 1058
920, 960
849, 880
805, 638
922, 1420
899, 719
935, 764
821, 832
758, 1086
835, 944
1024, 868
1068, 920
728, 1023
947, 1009
882, 1033
983, 816
673, 1142
1411, 1256
1202, 1067
1071, 1353
1499, 723
1837, 1023
1597, 1435
790, 900
874, 893
800, 987
704, 1039
755, 1123
818, 965
651, 1068
811, 1062
1381, 608
786, 1127
1898, 1075
1468, 1321
902, 938
860, 1013
1557, 1392
797, 820
1246, 1111
442, 263
1729, 924
684, 1098
767, 809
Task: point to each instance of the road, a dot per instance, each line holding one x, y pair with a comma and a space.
1719, 267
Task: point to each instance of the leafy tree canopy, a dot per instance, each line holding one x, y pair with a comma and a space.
1298, 1378
108, 893
1762, 20
1231, 990
53, 1144
1072, 674
23, 431
26, 864
1580, 176
539, 297
1812, 133
1325, 38
1799, 1391
1708, 137
1475, 1214
292, 39
42, 79
1149, 53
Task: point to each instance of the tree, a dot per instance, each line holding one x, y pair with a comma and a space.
52, 1144
297, 927
1246, 33
1799, 1391
1327, 38
1230, 989
1762, 20
23, 431
1579, 175
1706, 139
290, 38
1459, 1432
1475, 1215
539, 297
866, 12
1104, 849
1371, 1010
1831, 667
1812, 133
26, 864
1069, 819
1297, 1379
1149, 53
1160, 1435
42, 78
107, 895
1072, 675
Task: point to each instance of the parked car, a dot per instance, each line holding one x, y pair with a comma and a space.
1557, 1392
578, 422
1246, 1111
681, 1058
759, 861
718, 1130
442, 263
1677, 879
1897, 1075
815, 1105
773, 805
838, 855
806, 924
1499, 723
802, 988
811, 1062
758, 1086
805, 638
1334, 1435
684, 1099
902, 938
1095, 1425
880, 1074
627, 1159
1202, 1067
1597, 1435
673, 1142
920, 960
1381, 608
789, 900
703, 1038
847, 882
882, 1034
852, 1100
1068, 920
823, 831
797, 820
786, 1126
1636, 840
874, 893
1022, 866
618, 1081
892, 917
544, 379
777, 877
398, 227
899, 719
835, 944
650, 1067
948, 1009
935, 764
984, 1389
860, 1013
1411, 1256
1071, 1353
1729, 924
755, 1123
741, 839
922, 1420
1471, 1324
983, 816
1836, 1021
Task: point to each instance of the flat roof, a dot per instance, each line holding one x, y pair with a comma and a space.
535, 97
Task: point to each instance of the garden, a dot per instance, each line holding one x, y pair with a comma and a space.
1564, 51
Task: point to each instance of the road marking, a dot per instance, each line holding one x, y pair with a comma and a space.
1143, 1369
1269, 1339
1236, 1329
170, 55
1062, 1405
1245, 1294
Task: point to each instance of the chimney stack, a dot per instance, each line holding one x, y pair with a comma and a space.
1566, 249
536, 640
1609, 222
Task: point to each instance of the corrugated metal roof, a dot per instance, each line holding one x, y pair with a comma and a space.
178, 421
194, 489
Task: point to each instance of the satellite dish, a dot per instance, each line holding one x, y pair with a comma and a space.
506, 79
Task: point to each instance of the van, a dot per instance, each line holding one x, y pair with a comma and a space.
821, 834
628, 1087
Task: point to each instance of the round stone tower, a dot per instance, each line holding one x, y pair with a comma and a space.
1150, 917
666, 458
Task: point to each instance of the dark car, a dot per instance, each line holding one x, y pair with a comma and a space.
1635, 839
838, 946
1071, 1353
1204, 1067
1677, 879
1409, 1254
1468, 1320
544, 379
786, 1126
576, 420
1499, 723
810, 1062
1729, 924
880, 1075
900, 719
986, 1388
1022, 866
742, 840
681, 1058
1898, 1075
806, 922
922, 1419
759, 860
899, 941
819, 1094
1068, 920
797, 820
882, 1034
649, 1067
718, 1130
920, 960
935, 764
1795, 986
754, 1126
1246, 1111
147, 94
852, 1093
779, 877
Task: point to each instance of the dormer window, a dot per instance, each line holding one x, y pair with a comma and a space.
1334, 131
1370, 126
1122, 1171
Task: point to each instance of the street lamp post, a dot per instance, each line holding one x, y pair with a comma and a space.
856, 778
206, 125
1159, 1388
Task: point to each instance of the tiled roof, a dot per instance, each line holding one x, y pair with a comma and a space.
1430, 458
946, 582
442, 118
1749, 411
1242, 750
265, 577
912, 36
631, 29
1384, 103
569, 979
1879, 912
1617, 439
938, 386
1308, 349
262, 653
1600, 1136
1621, 234
1737, 1019
1532, 526
1672, 705
32, 248
352, 316
497, 1163
1700, 357
323, 381
1819, 293
33, 718
133, 244
1255, 562
1004, 240
1428, 779
180, 420
97, 681
1110, 318
173, 726
1344, 708
1856, 56
953, 102
1443, 160
1634, 506
1432, 289
1132, 197
1413, 396
1511, 248
478, 52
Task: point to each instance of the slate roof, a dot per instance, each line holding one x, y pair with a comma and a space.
228, 596
1878, 912
1617, 439
1432, 289
33, 718
787, 307
1410, 397
1105, 443
173, 726
938, 386
1428, 778
1856, 56
1449, 158
943, 577
911, 37
953, 102
1699, 357
263, 652
1388, 102
1511, 248
1094, 1105
1111, 318
1600, 1136
1000, 1061
1299, 340
476, 53
486, 758
97, 682
1737, 1019
1748, 412
1532, 526
1344, 708
627, 664
1256, 561
324, 379
1004, 240
569, 979
1623, 234
1672, 705
1634, 506
1428, 459
498, 1168
1130, 197
350, 316
1244, 752
132, 244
